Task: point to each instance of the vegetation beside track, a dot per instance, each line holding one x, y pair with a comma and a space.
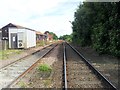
97, 25
44, 68
4, 54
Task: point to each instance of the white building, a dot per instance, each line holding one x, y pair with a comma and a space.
18, 36
21, 38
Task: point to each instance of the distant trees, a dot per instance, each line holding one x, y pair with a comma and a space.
98, 25
55, 37
66, 38
51, 35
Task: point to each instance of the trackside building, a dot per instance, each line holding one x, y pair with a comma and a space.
18, 37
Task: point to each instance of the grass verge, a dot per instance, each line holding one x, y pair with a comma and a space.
4, 54
44, 71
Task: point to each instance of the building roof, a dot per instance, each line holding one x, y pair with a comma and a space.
38, 32
21, 27
16, 26
46, 32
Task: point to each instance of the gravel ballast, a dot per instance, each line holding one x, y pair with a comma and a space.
34, 79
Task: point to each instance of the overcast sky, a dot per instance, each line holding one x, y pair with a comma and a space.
41, 15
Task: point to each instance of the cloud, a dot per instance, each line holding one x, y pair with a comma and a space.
41, 15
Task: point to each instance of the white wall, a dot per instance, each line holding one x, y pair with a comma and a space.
29, 37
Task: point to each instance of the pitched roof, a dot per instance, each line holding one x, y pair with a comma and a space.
20, 27
17, 26
46, 32
38, 32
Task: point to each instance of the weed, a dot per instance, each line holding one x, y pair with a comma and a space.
4, 54
45, 68
47, 82
22, 84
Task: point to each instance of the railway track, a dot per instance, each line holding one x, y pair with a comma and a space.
12, 72
79, 73
25, 56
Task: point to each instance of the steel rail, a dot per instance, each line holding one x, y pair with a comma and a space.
64, 70
25, 56
29, 69
94, 69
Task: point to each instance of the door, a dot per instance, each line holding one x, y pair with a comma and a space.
20, 40
13, 40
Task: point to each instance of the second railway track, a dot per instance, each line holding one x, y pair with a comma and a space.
78, 73
13, 71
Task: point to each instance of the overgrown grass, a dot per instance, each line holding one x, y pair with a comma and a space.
44, 68
5, 53
44, 71
40, 43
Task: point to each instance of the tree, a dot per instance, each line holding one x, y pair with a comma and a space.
55, 37
98, 25
67, 38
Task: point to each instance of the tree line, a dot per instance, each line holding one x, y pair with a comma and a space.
67, 38
98, 25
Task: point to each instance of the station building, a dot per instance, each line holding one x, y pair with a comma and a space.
15, 36
40, 36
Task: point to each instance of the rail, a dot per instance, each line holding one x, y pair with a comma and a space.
25, 56
94, 69
64, 69
29, 69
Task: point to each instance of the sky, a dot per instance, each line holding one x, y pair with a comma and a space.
40, 15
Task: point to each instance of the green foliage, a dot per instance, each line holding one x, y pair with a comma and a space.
55, 37
82, 25
44, 68
98, 25
66, 38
